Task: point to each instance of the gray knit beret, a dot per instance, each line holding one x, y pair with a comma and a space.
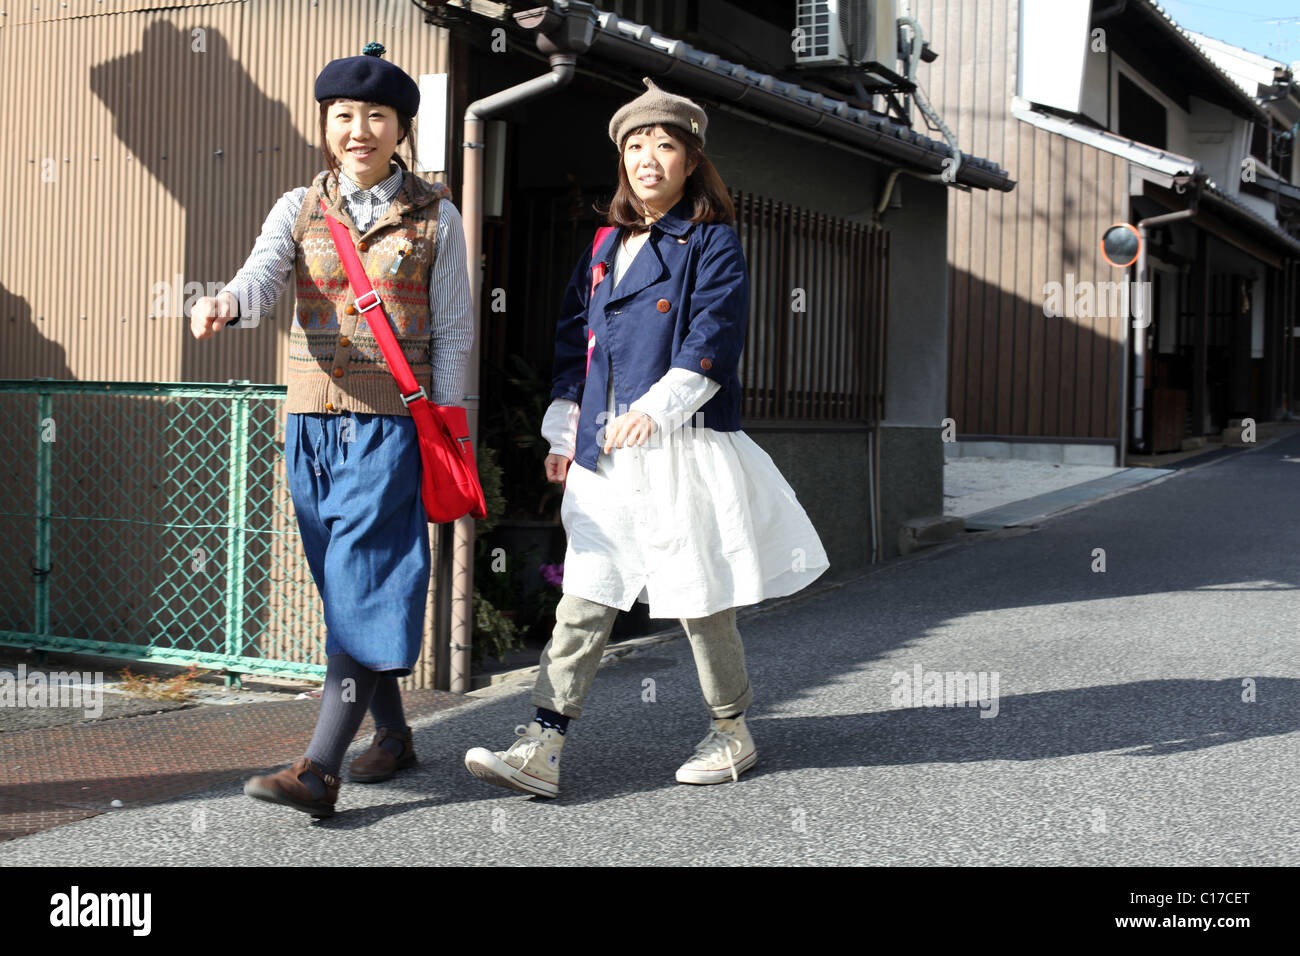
654, 107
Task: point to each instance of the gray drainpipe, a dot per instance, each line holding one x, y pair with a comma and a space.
874, 478
1139, 350
561, 37
873, 436
888, 190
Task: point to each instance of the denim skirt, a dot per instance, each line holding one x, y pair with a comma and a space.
355, 482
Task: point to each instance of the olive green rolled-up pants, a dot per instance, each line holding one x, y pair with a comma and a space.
571, 657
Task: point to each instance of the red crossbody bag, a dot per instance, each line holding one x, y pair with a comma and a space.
449, 485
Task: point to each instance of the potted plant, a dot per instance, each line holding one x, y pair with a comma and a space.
495, 608
546, 598
529, 533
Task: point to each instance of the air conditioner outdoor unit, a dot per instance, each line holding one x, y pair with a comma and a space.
847, 33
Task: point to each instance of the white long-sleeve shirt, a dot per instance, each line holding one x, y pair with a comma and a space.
269, 267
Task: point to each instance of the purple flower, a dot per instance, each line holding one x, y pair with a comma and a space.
552, 574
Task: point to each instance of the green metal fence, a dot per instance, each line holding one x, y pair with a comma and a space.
153, 522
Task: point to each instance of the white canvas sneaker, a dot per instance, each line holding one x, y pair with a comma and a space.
724, 754
532, 764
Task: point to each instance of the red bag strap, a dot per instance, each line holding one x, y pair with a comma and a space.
597, 277
367, 300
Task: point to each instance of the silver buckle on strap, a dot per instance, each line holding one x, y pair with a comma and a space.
367, 308
417, 394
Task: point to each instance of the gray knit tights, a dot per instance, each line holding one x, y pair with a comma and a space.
350, 688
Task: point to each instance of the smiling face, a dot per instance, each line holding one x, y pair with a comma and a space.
363, 138
656, 168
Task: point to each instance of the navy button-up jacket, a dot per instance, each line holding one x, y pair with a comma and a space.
699, 271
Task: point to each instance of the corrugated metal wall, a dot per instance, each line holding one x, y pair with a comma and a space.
42, 11
146, 146
1013, 370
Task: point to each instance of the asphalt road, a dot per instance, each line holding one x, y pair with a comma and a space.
1121, 735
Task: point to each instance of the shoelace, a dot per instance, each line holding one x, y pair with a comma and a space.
529, 746
724, 739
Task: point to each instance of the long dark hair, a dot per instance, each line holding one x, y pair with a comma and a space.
405, 121
705, 189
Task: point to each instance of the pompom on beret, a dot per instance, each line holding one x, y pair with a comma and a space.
371, 79
654, 107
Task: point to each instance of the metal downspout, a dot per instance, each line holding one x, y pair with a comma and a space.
562, 37
462, 594
1139, 350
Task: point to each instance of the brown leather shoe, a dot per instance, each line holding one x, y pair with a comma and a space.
285, 788
378, 764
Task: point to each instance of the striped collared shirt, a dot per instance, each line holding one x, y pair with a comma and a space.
367, 205
269, 268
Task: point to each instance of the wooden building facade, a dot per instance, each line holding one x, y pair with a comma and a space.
1104, 113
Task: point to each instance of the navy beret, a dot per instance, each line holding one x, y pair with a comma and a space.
370, 79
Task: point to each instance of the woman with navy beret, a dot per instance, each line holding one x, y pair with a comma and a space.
666, 500
351, 452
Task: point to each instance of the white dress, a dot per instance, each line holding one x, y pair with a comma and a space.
693, 522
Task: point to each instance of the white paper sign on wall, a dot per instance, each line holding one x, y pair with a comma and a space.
431, 124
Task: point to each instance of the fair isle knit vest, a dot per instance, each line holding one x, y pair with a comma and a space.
335, 364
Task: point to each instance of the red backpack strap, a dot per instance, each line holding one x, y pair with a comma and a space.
598, 268
597, 277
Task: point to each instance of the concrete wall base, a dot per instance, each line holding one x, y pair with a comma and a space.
918, 533
1061, 453
828, 472
911, 463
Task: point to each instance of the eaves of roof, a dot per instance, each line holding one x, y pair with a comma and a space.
638, 46
1278, 186
1168, 165
1250, 85
1238, 210
1158, 160
1248, 105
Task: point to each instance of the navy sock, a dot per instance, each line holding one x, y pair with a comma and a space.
549, 718
342, 708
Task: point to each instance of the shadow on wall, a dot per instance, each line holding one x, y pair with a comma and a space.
1013, 370
194, 112
27, 352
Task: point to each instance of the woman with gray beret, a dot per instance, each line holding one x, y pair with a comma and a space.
670, 502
